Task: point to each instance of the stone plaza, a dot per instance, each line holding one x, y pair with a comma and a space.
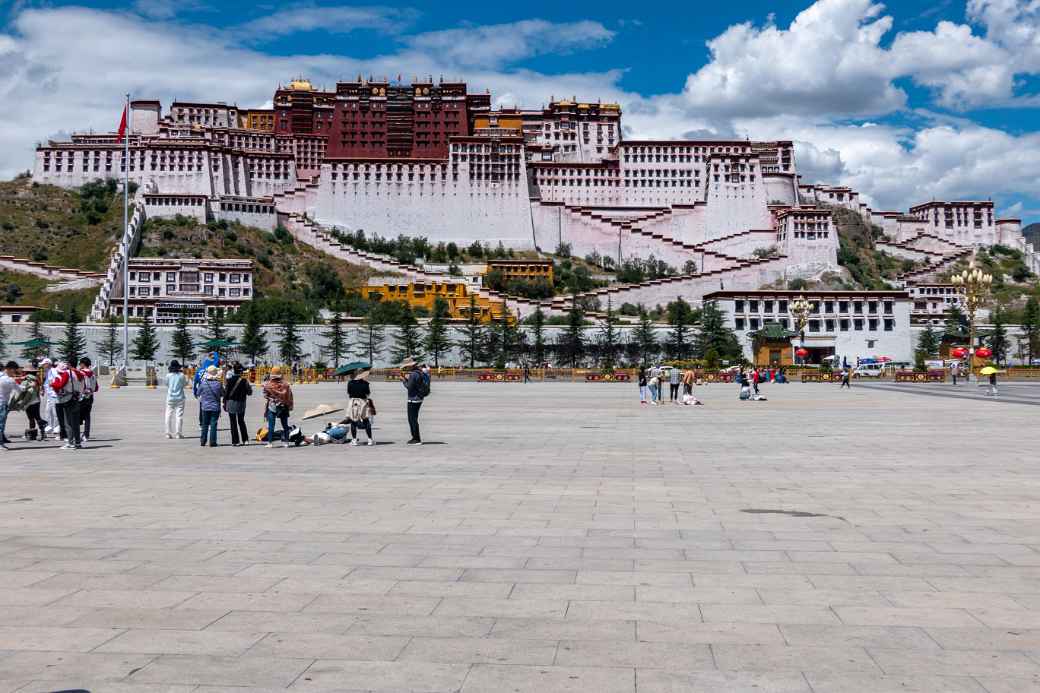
549, 537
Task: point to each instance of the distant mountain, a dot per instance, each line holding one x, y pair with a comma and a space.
1032, 234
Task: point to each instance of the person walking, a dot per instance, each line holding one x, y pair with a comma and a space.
417, 385
361, 408
846, 378
993, 384
86, 403
955, 371
176, 381
655, 387
8, 387
673, 385
279, 398
31, 387
687, 381
236, 390
210, 393
68, 391
644, 387
55, 424
754, 379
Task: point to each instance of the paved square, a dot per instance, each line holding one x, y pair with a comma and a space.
557, 537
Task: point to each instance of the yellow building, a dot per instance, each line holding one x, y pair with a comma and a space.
423, 295
523, 269
259, 119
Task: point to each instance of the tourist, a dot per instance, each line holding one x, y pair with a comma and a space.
209, 393
687, 381
67, 387
360, 408
846, 377
236, 390
643, 386
176, 381
279, 398
418, 387
673, 385
754, 379
31, 393
86, 403
655, 387
55, 424
955, 370
8, 386
993, 384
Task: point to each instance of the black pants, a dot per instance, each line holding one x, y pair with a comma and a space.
59, 409
413, 419
673, 391
845, 383
687, 389
238, 428
70, 412
35, 422
366, 426
86, 406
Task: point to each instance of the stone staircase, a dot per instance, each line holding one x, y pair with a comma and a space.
114, 276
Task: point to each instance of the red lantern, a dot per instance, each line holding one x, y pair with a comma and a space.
958, 352
801, 353
983, 352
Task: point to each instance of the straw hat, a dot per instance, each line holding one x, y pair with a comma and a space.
409, 363
276, 372
212, 370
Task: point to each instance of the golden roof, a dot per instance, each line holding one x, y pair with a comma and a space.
301, 85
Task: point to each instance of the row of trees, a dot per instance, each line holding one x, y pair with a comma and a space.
691, 334
997, 339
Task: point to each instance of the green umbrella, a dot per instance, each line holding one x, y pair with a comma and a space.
352, 367
217, 343
39, 342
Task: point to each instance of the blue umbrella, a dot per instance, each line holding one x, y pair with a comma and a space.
351, 368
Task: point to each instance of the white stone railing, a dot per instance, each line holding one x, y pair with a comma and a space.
115, 263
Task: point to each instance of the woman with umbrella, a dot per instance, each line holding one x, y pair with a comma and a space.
361, 409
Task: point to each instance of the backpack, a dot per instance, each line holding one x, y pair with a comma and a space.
73, 387
424, 385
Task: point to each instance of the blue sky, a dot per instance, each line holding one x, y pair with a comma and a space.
905, 102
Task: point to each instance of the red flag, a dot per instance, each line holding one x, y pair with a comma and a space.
122, 126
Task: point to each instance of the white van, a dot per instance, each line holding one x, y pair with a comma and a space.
868, 370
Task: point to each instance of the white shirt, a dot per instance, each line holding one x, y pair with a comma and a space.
7, 387
52, 373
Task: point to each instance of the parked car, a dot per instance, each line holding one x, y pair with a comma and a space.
868, 370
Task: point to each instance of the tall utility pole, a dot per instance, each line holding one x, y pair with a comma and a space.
126, 238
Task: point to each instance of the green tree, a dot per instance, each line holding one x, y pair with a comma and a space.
254, 342
218, 332
538, 336
3, 341
608, 339
1031, 328
998, 340
73, 344
111, 345
289, 349
573, 346
146, 343
36, 335
372, 331
680, 317
928, 343
473, 339
408, 341
183, 346
336, 346
505, 340
645, 339
956, 325
437, 331
714, 336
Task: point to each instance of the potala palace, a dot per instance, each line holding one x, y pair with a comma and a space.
431, 159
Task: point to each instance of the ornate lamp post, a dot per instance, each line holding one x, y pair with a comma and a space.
976, 285
800, 309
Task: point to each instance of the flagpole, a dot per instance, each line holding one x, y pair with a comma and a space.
126, 239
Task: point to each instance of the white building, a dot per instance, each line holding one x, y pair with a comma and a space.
846, 324
161, 288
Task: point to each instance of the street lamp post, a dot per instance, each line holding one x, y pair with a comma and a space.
976, 285
800, 309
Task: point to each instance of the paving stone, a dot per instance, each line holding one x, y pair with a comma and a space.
420, 677
855, 683
480, 650
707, 633
956, 662
330, 646
662, 681
53, 638
490, 678
767, 658
228, 671
129, 618
683, 656
859, 636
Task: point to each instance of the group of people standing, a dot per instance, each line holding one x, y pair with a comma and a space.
652, 380
228, 389
57, 398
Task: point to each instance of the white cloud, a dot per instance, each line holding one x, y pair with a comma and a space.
489, 46
340, 19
